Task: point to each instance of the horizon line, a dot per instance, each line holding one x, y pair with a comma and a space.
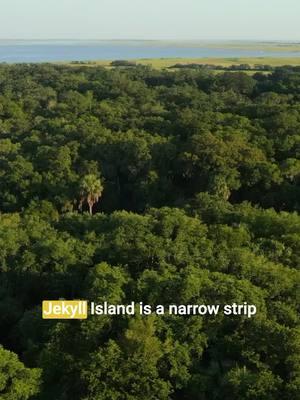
156, 40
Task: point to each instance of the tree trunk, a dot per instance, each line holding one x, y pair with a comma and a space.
91, 208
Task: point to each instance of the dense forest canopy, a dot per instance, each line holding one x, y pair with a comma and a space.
168, 187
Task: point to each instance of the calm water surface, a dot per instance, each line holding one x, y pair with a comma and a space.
47, 51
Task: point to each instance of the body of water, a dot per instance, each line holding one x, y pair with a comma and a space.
49, 51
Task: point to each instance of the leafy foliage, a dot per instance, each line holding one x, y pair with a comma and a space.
192, 183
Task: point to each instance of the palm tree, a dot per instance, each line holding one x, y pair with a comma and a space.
91, 190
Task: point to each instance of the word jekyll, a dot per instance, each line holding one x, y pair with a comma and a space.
64, 309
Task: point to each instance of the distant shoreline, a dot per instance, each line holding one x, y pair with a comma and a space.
295, 41
39, 51
160, 63
197, 43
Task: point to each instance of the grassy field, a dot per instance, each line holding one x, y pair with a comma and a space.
160, 63
226, 62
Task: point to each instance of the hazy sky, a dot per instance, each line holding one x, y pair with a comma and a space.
150, 19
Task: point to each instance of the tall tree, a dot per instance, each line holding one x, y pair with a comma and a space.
91, 189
